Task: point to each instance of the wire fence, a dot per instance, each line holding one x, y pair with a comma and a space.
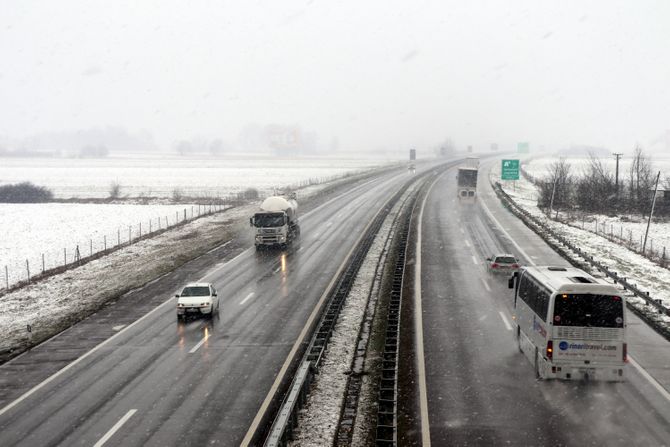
21, 272
618, 234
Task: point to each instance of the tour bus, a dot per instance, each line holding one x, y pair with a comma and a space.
569, 325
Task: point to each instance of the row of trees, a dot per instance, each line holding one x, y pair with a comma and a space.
599, 190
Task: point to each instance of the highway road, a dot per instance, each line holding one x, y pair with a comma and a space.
161, 383
480, 389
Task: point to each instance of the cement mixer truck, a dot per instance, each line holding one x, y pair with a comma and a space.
276, 224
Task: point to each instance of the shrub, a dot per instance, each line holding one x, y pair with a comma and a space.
177, 195
248, 194
25, 192
114, 190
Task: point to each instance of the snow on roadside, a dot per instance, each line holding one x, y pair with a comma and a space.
318, 420
647, 275
54, 303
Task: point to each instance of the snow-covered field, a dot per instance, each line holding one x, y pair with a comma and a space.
629, 228
639, 270
539, 166
52, 304
52, 232
160, 175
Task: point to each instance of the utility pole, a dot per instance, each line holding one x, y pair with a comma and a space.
651, 213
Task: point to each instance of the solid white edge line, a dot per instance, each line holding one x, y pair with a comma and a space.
467, 243
196, 347
505, 320
303, 333
70, 365
486, 285
474, 259
418, 324
115, 428
37, 387
649, 378
637, 366
94, 349
511, 239
247, 298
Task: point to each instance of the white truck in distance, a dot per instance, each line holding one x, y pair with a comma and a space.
276, 224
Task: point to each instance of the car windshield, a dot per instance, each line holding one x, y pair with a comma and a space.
269, 220
505, 260
588, 311
195, 291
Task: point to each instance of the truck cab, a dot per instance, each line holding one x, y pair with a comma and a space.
276, 224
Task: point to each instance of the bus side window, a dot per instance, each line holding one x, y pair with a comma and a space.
544, 304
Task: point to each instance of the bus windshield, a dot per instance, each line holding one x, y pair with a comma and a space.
588, 311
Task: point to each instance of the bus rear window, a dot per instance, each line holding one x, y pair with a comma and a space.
588, 311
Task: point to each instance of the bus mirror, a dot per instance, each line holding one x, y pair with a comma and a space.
510, 281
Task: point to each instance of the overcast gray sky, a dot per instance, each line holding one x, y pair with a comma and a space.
375, 74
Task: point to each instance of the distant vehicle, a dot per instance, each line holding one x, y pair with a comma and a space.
569, 325
197, 299
276, 224
502, 263
467, 183
472, 162
411, 167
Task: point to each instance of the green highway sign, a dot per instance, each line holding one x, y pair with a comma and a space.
510, 170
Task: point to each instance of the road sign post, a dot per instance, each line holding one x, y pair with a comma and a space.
510, 170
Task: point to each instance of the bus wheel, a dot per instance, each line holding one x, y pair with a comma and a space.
518, 338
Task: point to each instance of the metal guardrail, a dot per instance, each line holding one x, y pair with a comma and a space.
287, 417
387, 409
559, 242
281, 430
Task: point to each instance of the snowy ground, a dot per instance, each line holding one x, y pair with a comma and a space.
637, 269
629, 228
31, 231
318, 420
53, 231
159, 175
539, 166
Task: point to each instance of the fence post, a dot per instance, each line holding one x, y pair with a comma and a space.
28, 270
65, 256
91, 246
176, 220
77, 256
149, 225
105, 241
43, 263
130, 235
140, 230
184, 214
6, 278
118, 237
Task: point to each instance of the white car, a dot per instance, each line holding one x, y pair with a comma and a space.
198, 298
502, 263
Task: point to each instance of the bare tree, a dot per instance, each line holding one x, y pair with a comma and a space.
640, 182
559, 185
596, 190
